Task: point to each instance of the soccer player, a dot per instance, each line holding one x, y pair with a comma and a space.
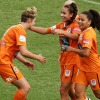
89, 69
68, 61
12, 42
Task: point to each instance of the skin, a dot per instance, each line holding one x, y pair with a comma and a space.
23, 84
84, 23
66, 88
65, 15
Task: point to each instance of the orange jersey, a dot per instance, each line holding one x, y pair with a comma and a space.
10, 42
77, 18
67, 58
92, 62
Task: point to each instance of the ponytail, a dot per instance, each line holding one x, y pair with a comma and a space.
72, 9
94, 17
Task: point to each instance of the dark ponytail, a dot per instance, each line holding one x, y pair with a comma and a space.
94, 17
72, 9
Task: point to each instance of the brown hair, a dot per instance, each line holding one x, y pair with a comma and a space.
94, 16
30, 12
72, 9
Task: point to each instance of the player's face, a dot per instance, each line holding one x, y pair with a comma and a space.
65, 14
84, 22
33, 21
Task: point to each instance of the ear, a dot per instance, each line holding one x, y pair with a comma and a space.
29, 20
71, 14
89, 22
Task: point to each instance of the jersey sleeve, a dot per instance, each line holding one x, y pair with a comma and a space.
57, 26
20, 37
76, 29
87, 40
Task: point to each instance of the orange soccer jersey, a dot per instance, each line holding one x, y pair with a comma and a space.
67, 58
92, 62
13, 37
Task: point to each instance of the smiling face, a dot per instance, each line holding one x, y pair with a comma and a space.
65, 14
84, 22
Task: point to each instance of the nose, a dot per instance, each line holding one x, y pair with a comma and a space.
61, 14
79, 21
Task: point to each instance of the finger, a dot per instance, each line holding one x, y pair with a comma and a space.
29, 67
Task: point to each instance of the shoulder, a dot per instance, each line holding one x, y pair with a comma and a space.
89, 31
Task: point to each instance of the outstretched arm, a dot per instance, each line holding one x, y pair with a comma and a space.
24, 52
70, 36
39, 30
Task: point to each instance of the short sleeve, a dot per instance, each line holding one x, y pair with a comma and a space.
20, 37
87, 40
76, 29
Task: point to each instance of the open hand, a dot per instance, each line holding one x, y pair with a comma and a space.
57, 31
41, 59
69, 49
29, 64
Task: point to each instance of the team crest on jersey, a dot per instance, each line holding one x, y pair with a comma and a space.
69, 30
93, 82
3, 43
67, 73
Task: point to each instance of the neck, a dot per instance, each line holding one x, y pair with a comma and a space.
25, 25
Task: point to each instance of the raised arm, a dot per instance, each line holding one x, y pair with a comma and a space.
39, 30
70, 36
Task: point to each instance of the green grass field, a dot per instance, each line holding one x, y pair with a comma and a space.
44, 79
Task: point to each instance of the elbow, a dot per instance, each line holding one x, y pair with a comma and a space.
23, 53
85, 55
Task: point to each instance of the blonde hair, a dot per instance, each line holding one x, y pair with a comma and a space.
69, 2
30, 12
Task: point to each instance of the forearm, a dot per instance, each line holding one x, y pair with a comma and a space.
20, 58
30, 55
81, 52
39, 30
71, 36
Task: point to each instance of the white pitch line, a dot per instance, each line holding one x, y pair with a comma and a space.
97, 3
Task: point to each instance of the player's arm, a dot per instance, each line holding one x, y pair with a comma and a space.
83, 52
24, 52
39, 30
70, 36
25, 62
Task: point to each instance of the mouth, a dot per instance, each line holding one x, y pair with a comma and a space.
80, 25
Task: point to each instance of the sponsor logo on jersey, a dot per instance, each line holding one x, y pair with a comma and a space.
9, 79
53, 27
22, 38
77, 29
86, 41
